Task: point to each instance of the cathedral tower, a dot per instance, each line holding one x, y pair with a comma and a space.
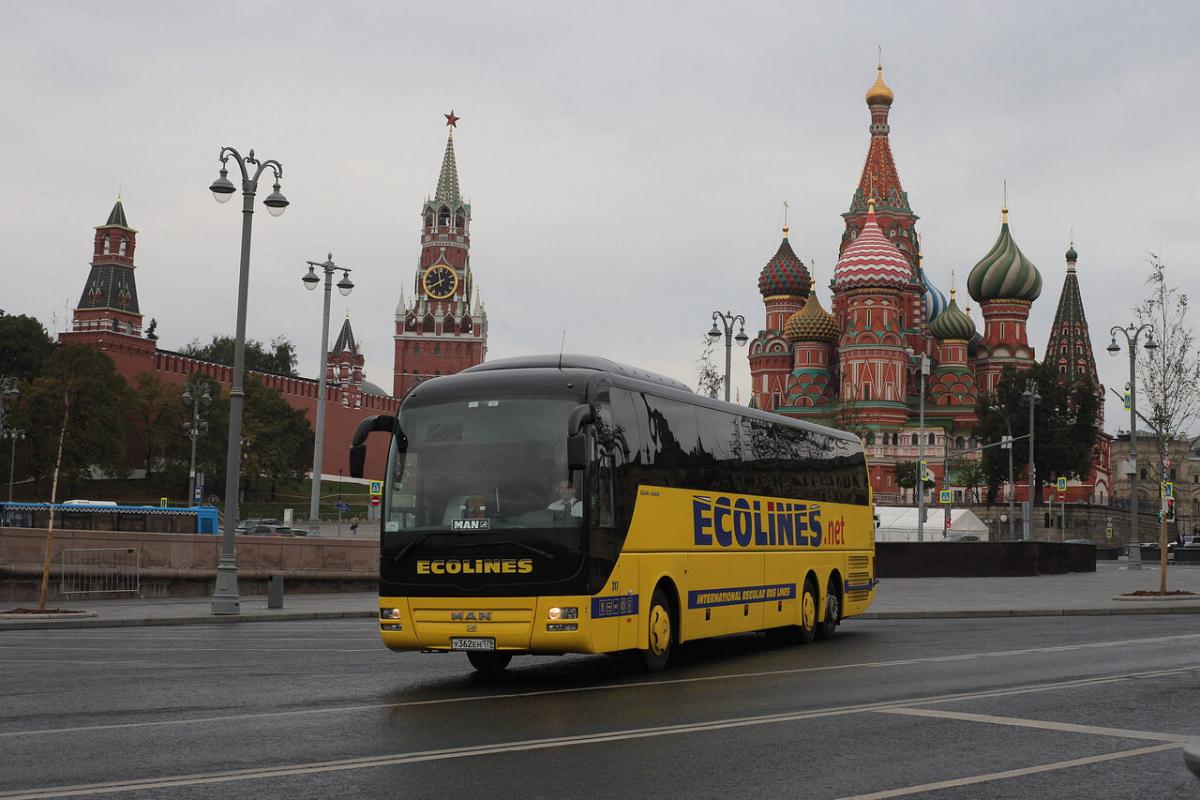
784, 284
440, 332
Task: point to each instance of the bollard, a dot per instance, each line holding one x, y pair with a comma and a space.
275, 591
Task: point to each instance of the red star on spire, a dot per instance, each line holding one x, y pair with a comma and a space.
451, 120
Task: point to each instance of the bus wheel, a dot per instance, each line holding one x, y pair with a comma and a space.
661, 633
833, 611
489, 663
809, 603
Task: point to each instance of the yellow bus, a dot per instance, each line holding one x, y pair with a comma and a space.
570, 504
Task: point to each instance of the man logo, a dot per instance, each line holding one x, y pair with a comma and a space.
463, 616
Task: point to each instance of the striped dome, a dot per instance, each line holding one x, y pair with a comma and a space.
935, 301
871, 260
1004, 273
784, 274
811, 323
953, 323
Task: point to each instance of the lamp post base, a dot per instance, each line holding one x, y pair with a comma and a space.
225, 597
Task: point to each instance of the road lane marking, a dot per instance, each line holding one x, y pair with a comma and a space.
399, 759
4, 648
64, 661
1045, 725
1014, 773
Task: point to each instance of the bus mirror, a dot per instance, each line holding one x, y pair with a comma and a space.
358, 445
576, 451
580, 415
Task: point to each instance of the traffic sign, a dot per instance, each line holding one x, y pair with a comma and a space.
946, 496
1108, 533
1168, 489
1062, 485
162, 502
375, 500
376, 487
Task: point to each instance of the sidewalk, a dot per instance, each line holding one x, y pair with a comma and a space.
896, 598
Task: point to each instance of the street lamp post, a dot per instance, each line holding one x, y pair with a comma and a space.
195, 395
727, 319
344, 286
225, 595
1031, 396
12, 434
1131, 335
1008, 445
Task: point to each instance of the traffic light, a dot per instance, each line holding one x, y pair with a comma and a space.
1170, 509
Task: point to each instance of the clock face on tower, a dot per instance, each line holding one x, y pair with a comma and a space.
440, 281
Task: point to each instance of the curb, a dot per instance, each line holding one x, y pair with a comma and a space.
1034, 612
207, 619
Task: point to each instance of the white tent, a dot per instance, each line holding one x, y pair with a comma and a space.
899, 524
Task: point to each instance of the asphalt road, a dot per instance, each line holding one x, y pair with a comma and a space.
1063, 707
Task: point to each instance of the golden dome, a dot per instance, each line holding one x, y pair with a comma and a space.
879, 93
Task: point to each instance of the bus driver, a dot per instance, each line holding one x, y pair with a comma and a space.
566, 500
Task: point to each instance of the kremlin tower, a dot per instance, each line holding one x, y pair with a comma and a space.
439, 331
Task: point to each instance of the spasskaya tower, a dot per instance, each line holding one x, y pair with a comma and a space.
442, 329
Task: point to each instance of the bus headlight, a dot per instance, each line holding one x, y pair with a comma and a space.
563, 613
389, 613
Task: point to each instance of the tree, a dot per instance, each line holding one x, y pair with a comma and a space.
710, 380
84, 384
24, 346
278, 359
155, 421
906, 475
1169, 376
970, 475
279, 438
1064, 427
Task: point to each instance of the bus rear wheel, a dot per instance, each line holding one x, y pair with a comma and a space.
489, 663
833, 611
661, 633
810, 601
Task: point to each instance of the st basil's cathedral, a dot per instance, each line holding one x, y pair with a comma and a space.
857, 366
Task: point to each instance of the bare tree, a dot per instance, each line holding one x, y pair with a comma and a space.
1169, 376
709, 379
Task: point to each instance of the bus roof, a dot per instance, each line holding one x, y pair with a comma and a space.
576, 361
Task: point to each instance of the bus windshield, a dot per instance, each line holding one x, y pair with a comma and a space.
477, 465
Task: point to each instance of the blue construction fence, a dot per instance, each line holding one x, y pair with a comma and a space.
110, 517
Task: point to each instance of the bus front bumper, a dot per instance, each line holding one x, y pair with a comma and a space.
513, 624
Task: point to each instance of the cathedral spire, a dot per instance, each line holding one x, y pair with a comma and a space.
1070, 346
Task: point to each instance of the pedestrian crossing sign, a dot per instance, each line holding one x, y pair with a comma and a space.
1062, 484
376, 487
1168, 489
946, 496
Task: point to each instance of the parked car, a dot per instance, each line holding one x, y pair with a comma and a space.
268, 529
248, 524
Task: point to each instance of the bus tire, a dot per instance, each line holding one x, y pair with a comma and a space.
661, 634
810, 602
833, 611
489, 663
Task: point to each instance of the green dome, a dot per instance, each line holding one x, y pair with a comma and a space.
1072, 256
953, 323
1004, 273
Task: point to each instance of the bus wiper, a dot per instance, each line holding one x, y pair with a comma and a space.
404, 550
523, 545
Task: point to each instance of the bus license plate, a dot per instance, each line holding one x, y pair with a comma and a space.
472, 643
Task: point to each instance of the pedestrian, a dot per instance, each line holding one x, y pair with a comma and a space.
353, 525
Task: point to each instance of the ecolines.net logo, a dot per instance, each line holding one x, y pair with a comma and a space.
738, 522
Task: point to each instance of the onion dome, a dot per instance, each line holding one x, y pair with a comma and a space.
935, 301
1072, 256
879, 93
785, 273
1004, 273
811, 323
953, 323
871, 260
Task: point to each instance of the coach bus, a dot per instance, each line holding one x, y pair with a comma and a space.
570, 504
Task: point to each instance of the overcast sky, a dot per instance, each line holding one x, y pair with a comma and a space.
626, 162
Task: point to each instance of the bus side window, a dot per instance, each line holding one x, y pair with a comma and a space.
630, 469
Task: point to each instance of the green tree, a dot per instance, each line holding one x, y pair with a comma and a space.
968, 474
278, 359
279, 438
155, 422
1064, 427
24, 346
82, 386
906, 475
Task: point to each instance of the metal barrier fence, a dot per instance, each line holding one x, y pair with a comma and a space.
100, 570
